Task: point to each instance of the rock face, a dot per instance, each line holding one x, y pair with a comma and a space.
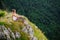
2, 35
7, 34
20, 29
17, 34
33, 38
28, 29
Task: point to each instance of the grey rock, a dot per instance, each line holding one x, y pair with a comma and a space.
6, 33
13, 36
17, 34
34, 38
28, 29
2, 35
25, 30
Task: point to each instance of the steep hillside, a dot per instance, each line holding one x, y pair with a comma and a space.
21, 29
44, 13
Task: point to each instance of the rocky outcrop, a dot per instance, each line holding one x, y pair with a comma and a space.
28, 29
20, 29
7, 34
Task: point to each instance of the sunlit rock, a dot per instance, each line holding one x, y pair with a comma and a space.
12, 35
34, 38
2, 35
17, 34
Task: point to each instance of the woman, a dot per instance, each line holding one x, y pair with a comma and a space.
14, 15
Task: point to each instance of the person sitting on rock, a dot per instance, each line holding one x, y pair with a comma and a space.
14, 15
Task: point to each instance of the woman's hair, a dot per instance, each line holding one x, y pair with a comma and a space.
13, 10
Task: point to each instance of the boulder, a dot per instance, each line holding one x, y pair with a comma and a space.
17, 34
34, 38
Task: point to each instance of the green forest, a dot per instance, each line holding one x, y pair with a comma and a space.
43, 13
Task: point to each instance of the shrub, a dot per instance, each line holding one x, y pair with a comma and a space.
2, 13
2, 23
